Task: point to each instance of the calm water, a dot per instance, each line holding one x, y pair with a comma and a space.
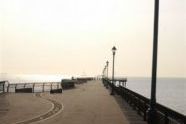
20, 78
171, 92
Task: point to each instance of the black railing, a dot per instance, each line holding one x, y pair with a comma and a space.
2, 85
32, 87
141, 104
52, 87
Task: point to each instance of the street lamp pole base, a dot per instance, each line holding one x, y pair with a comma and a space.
152, 113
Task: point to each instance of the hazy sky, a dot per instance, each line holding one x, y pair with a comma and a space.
76, 36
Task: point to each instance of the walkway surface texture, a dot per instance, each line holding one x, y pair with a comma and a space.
89, 103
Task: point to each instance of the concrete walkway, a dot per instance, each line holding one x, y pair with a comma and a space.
17, 107
88, 103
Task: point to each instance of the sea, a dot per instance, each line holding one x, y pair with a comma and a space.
171, 92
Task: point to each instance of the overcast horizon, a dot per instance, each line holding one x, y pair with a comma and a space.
76, 37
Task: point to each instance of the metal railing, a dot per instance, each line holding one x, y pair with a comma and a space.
2, 86
141, 104
32, 87
6, 86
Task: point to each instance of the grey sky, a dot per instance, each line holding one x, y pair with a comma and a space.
76, 37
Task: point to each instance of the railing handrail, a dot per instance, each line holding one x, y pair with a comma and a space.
160, 108
170, 112
117, 79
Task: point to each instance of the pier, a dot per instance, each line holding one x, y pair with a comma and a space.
86, 103
54, 40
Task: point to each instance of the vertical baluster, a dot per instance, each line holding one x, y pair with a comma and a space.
33, 87
166, 118
8, 87
138, 105
43, 87
144, 112
15, 87
4, 87
57, 85
51, 86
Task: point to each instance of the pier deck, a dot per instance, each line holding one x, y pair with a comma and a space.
89, 103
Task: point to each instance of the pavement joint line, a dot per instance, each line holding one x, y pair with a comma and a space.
53, 111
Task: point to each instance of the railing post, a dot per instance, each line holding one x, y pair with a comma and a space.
166, 119
138, 105
43, 87
8, 87
3, 87
15, 87
145, 114
57, 85
51, 86
33, 87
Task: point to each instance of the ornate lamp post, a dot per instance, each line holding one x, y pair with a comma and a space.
107, 62
152, 109
103, 75
105, 72
113, 52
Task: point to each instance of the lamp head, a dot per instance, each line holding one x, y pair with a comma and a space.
107, 62
114, 49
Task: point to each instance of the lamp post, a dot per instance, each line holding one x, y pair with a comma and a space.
103, 75
107, 62
152, 109
113, 53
